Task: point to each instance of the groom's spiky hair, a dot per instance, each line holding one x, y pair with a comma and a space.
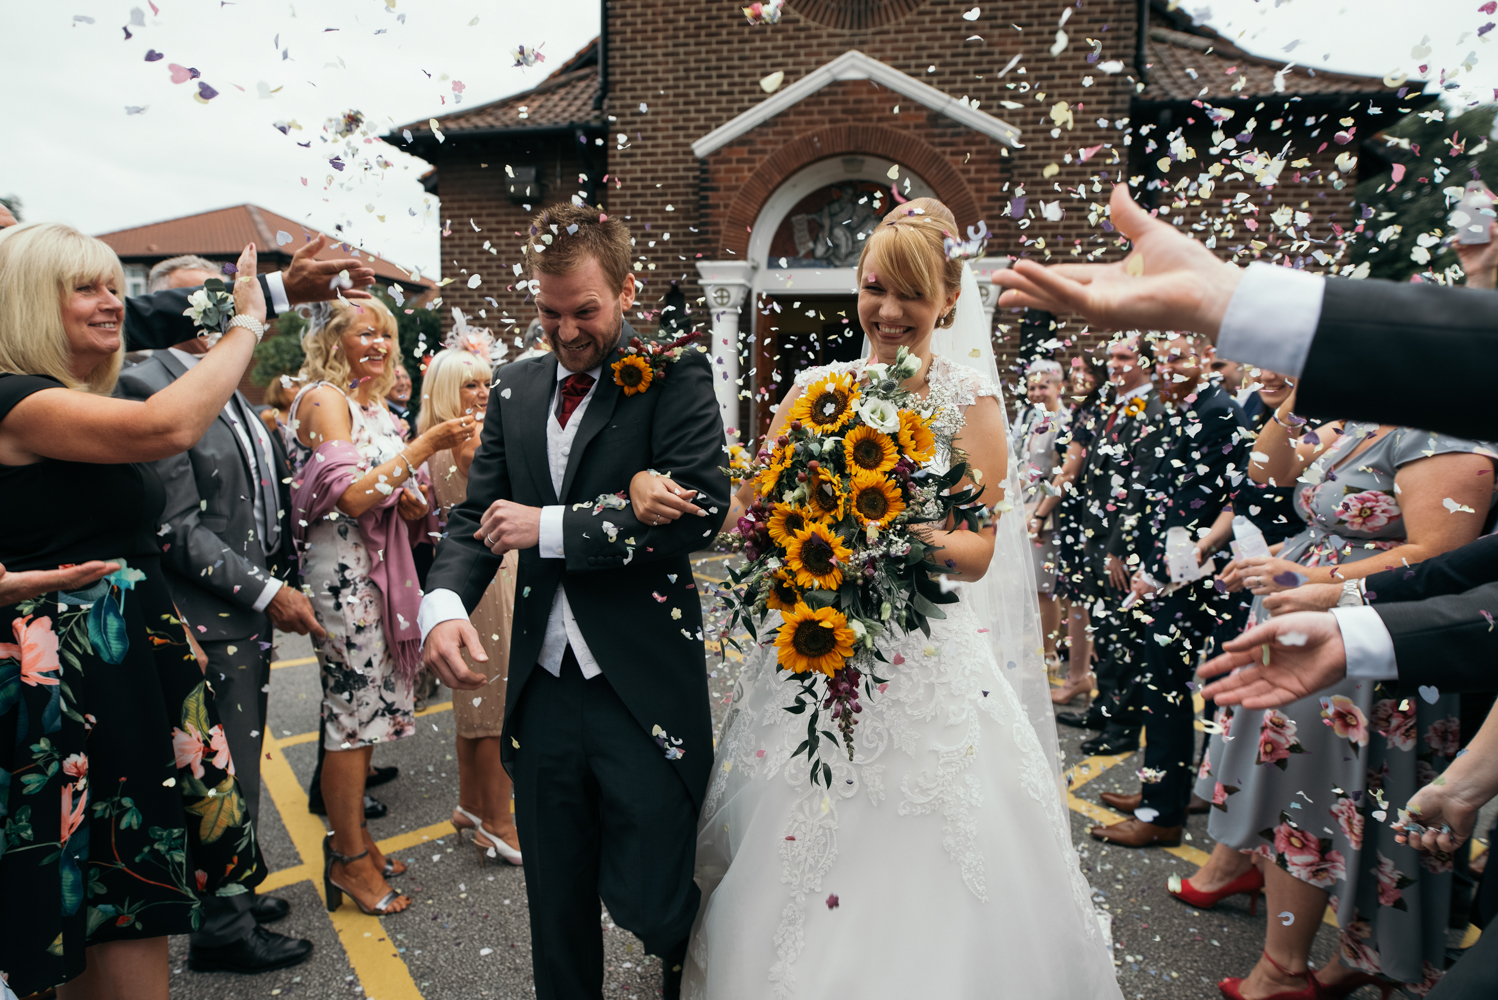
563, 237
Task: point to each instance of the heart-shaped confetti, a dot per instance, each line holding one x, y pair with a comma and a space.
152, 55
1430, 693
181, 74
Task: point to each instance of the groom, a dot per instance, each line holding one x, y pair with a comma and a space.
607, 732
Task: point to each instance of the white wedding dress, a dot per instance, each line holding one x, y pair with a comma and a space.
946, 840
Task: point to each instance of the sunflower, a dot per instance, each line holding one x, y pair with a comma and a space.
867, 449
781, 593
633, 373
780, 459
814, 640
786, 520
824, 495
814, 554
916, 439
874, 499
827, 404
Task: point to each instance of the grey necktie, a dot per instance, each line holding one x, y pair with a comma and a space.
265, 476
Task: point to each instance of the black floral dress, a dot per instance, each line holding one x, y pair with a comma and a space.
119, 807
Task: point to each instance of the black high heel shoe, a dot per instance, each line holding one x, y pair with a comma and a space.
334, 891
390, 870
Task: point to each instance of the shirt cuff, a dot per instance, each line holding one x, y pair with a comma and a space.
1272, 318
1370, 650
276, 282
551, 532
272, 586
439, 606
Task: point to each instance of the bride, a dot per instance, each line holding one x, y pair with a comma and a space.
940, 863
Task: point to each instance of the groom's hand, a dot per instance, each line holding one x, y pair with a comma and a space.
443, 654
507, 526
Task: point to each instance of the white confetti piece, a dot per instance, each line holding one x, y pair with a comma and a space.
1294, 638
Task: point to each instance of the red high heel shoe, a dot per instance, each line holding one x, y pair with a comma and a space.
1355, 982
1230, 986
1250, 882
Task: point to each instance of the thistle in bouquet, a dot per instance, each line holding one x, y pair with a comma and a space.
837, 540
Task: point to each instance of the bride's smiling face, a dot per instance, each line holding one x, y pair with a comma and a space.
892, 320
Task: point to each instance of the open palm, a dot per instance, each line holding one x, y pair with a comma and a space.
1168, 280
1306, 655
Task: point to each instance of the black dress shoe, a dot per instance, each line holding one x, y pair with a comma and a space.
269, 909
382, 775
373, 807
1113, 739
262, 951
1080, 720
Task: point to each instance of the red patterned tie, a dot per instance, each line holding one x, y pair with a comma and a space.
574, 388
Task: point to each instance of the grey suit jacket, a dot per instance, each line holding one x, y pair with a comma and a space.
214, 562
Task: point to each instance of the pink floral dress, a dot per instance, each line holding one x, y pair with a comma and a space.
1314, 785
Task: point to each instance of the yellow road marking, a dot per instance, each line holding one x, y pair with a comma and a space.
303, 661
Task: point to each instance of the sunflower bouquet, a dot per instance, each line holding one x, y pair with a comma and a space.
834, 542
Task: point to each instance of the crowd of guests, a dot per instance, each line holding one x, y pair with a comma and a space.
136, 690
1176, 499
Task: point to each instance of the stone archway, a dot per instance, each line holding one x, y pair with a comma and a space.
843, 140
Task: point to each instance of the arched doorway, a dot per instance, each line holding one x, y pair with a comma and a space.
804, 249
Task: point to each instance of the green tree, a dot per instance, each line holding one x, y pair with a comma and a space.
280, 353
1439, 153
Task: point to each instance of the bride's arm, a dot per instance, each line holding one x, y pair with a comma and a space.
965, 554
655, 496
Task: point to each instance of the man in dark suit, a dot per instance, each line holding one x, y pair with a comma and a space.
1188, 465
1104, 485
226, 550
607, 732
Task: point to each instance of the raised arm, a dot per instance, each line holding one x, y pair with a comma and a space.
82, 427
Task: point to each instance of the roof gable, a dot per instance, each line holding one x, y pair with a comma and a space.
855, 65
224, 232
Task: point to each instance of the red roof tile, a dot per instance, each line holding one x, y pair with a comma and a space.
567, 97
225, 231
1183, 65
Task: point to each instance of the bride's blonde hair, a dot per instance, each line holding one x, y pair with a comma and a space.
908, 256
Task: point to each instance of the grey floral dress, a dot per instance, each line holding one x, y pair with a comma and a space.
1313, 786
363, 701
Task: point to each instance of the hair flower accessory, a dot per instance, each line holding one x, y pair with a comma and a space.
643, 364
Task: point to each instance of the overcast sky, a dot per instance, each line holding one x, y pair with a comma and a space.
73, 152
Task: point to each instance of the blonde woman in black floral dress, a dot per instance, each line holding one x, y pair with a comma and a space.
119, 808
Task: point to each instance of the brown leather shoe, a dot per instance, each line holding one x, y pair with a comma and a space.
1137, 833
1123, 803
1198, 806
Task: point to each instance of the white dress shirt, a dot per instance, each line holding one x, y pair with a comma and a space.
276, 282
1270, 323
262, 460
561, 627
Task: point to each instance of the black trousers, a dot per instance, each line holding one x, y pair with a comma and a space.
601, 813
239, 681
1170, 649
1474, 976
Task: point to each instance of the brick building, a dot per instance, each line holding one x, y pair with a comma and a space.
221, 235
748, 160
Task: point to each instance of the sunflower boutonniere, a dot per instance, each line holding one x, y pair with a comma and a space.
1134, 407
644, 364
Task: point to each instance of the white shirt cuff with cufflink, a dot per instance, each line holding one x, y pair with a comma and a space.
1271, 318
1370, 650
272, 587
438, 606
276, 282
551, 546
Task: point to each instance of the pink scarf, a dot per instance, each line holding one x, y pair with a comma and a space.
330, 470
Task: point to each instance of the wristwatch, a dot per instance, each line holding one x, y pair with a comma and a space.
251, 324
1352, 594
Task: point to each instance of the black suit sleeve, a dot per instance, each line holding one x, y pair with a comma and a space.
686, 442
1448, 641
463, 563
1454, 572
155, 321
1382, 333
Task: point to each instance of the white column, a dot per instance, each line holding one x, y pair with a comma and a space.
725, 284
987, 290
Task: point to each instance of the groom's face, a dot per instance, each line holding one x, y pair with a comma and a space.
582, 315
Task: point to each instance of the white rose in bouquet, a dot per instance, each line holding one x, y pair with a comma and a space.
882, 415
